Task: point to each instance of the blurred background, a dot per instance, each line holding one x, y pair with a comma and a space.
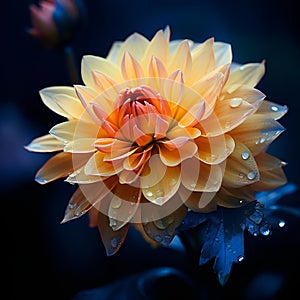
47, 260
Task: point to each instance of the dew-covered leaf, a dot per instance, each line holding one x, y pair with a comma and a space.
223, 240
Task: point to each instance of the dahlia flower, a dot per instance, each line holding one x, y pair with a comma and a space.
159, 128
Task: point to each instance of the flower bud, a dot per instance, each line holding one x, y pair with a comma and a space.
55, 22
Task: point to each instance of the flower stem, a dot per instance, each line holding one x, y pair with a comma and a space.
70, 58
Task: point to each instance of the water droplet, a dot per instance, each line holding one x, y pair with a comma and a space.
251, 175
256, 217
265, 230
161, 223
281, 223
241, 201
262, 140
245, 155
236, 102
283, 163
255, 233
71, 205
274, 108
158, 238
116, 202
114, 242
112, 223
193, 185
240, 258
227, 124
241, 175
149, 193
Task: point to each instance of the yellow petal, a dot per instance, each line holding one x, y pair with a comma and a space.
45, 143
157, 47
173, 87
80, 177
159, 183
203, 60
114, 51
271, 173
92, 63
223, 53
96, 165
123, 205
131, 69
214, 150
241, 168
135, 44
257, 132
156, 72
103, 82
200, 177
86, 96
77, 206
181, 60
274, 110
58, 166
248, 94
248, 74
163, 230
209, 88
198, 201
63, 101
173, 157
112, 240
226, 117
84, 145
235, 197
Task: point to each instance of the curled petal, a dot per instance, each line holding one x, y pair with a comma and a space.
214, 150
241, 168
45, 143
175, 152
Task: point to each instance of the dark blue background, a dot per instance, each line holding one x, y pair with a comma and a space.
56, 261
